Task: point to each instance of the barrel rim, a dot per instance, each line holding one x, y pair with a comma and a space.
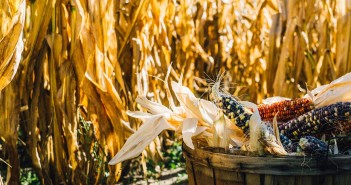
272, 165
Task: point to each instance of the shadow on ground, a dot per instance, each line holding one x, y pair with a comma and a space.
168, 177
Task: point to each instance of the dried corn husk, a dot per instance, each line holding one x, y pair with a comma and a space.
262, 139
136, 143
193, 117
189, 129
204, 110
274, 99
11, 45
338, 90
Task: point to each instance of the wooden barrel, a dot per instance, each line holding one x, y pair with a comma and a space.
206, 167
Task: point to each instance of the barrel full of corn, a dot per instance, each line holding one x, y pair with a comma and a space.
212, 166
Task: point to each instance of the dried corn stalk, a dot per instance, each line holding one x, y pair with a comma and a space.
11, 46
11, 43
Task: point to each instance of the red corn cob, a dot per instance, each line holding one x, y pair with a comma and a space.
287, 109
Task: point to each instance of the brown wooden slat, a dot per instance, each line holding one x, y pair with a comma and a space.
189, 171
328, 180
268, 180
252, 179
205, 167
342, 179
203, 175
284, 180
224, 177
273, 165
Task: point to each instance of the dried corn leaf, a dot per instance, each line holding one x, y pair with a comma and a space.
192, 105
11, 46
137, 142
255, 128
337, 91
221, 136
152, 107
275, 99
188, 131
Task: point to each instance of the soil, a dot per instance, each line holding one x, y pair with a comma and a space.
168, 177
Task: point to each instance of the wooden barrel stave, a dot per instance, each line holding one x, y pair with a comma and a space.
206, 167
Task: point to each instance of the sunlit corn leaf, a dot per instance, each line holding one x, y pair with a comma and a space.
221, 136
192, 105
153, 107
11, 46
189, 129
255, 128
275, 99
137, 142
337, 91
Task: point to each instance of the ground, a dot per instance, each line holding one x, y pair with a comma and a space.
175, 177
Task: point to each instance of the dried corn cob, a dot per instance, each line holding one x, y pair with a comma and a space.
342, 128
289, 145
312, 145
308, 144
236, 112
316, 120
287, 109
286, 142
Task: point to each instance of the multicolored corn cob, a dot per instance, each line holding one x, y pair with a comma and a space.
287, 143
316, 120
236, 112
308, 145
287, 109
342, 128
312, 145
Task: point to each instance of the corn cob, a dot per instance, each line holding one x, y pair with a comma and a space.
316, 120
287, 143
236, 112
342, 128
312, 145
287, 109
308, 144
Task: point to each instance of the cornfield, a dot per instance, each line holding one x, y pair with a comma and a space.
70, 69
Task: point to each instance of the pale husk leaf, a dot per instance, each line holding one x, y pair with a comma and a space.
337, 91
137, 142
189, 129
